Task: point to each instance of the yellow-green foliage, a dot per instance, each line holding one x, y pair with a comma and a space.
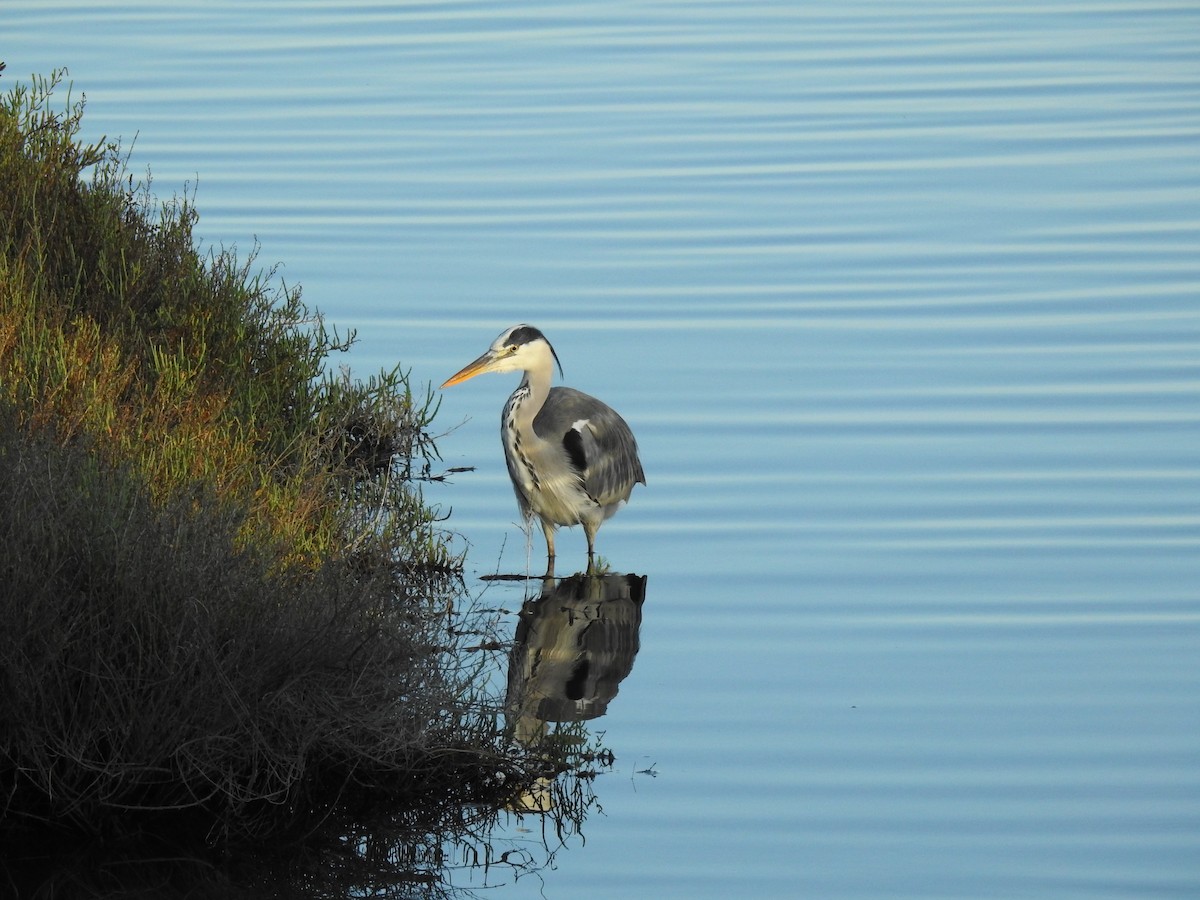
223, 600
221, 592
191, 367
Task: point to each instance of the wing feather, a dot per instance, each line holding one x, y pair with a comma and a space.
596, 441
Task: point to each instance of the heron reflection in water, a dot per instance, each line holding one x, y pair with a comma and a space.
574, 645
572, 458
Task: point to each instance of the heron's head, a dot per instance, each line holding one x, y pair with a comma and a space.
520, 348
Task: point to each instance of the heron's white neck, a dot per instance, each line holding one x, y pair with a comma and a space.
537, 383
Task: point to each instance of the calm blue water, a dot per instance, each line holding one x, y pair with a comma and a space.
903, 304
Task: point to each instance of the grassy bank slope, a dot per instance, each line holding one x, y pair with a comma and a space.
221, 597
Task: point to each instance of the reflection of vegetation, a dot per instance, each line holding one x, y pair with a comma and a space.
445, 847
223, 598
473, 845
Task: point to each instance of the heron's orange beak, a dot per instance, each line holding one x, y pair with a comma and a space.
470, 370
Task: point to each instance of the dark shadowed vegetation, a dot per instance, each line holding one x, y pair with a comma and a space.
226, 608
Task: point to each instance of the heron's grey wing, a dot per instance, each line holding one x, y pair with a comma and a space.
598, 443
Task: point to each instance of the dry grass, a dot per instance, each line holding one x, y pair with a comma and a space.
151, 662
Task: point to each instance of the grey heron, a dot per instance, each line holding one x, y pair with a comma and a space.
572, 458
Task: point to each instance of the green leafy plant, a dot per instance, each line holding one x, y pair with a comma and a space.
223, 596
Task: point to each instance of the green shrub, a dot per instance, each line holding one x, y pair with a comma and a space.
222, 595
191, 367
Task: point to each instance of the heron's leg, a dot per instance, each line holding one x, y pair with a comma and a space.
590, 529
548, 530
